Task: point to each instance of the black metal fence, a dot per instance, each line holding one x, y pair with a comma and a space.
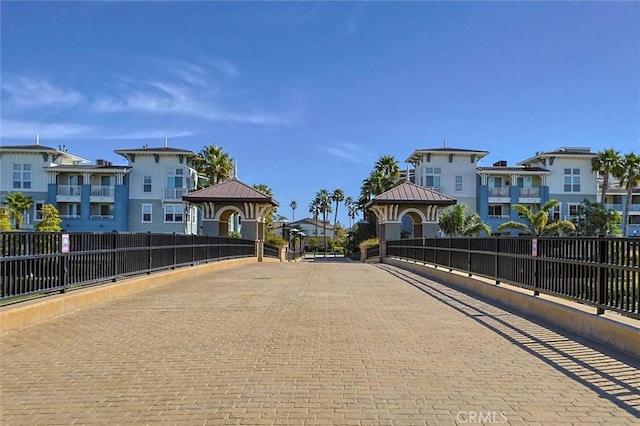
270, 250
39, 263
373, 251
602, 272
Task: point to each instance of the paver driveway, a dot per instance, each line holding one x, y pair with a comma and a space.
308, 343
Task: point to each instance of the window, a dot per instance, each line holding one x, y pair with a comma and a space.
458, 183
494, 182
174, 178
72, 211
22, 176
525, 182
146, 184
147, 209
574, 209
495, 211
571, 180
432, 177
173, 213
555, 213
38, 210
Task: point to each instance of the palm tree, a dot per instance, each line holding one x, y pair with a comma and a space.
293, 206
456, 221
264, 188
538, 224
18, 204
351, 208
323, 199
215, 164
605, 163
314, 209
337, 197
388, 165
628, 174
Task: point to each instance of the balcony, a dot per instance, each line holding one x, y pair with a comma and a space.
70, 216
501, 194
102, 194
101, 216
68, 193
174, 193
529, 195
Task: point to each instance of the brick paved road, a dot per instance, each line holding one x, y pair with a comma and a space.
308, 343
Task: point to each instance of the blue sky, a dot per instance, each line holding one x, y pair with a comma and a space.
307, 95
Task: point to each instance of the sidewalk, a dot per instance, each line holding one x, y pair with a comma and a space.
308, 343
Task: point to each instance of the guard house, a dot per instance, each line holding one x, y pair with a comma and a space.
421, 204
220, 204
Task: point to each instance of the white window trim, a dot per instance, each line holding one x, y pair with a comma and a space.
150, 213
164, 215
455, 183
35, 210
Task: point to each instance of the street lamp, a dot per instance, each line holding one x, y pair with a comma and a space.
283, 222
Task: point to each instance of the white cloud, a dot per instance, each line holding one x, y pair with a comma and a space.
350, 152
28, 92
28, 129
225, 66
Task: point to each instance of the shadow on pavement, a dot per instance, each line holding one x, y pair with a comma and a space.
611, 375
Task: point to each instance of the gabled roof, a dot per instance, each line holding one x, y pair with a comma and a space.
311, 221
231, 190
410, 193
36, 148
562, 151
418, 153
154, 150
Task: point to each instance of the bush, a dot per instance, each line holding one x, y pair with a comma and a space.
369, 243
275, 240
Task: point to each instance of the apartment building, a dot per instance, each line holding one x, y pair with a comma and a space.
158, 178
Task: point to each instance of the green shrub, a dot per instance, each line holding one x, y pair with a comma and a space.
275, 240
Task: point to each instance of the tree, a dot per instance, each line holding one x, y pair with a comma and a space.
605, 162
5, 219
352, 209
337, 197
264, 188
293, 206
18, 204
456, 221
538, 224
628, 174
388, 165
323, 199
314, 209
50, 219
215, 164
593, 219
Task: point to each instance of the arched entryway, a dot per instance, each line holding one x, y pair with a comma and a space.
229, 201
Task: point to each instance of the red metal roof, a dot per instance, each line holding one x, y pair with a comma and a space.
410, 193
231, 190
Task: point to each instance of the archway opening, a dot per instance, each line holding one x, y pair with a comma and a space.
230, 222
411, 225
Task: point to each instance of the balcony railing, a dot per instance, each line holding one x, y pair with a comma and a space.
101, 216
439, 189
102, 191
529, 192
499, 216
69, 190
174, 193
70, 216
500, 192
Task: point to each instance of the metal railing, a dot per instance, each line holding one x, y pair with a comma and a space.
270, 250
69, 190
373, 251
602, 272
174, 193
500, 192
41, 263
103, 191
529, 192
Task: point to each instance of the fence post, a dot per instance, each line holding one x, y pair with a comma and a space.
497, 264
536, 268
175, 250
601, 290
449, 262
63, 273
114, 248
469, 256
150, 252
193, 250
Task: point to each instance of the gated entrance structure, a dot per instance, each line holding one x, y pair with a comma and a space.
218, 203
421, 204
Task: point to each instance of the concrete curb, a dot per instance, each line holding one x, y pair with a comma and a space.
575, 319
25, 314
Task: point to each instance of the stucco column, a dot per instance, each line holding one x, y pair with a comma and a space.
260, 250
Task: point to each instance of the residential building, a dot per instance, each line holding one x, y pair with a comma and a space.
449, 171
158, 178
22, 169
311, 227
616, 199
570, 180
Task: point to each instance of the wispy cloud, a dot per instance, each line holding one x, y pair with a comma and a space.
28, 129
159, 97
30, 92
145, 134
225, 66
350, 152
354, 21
